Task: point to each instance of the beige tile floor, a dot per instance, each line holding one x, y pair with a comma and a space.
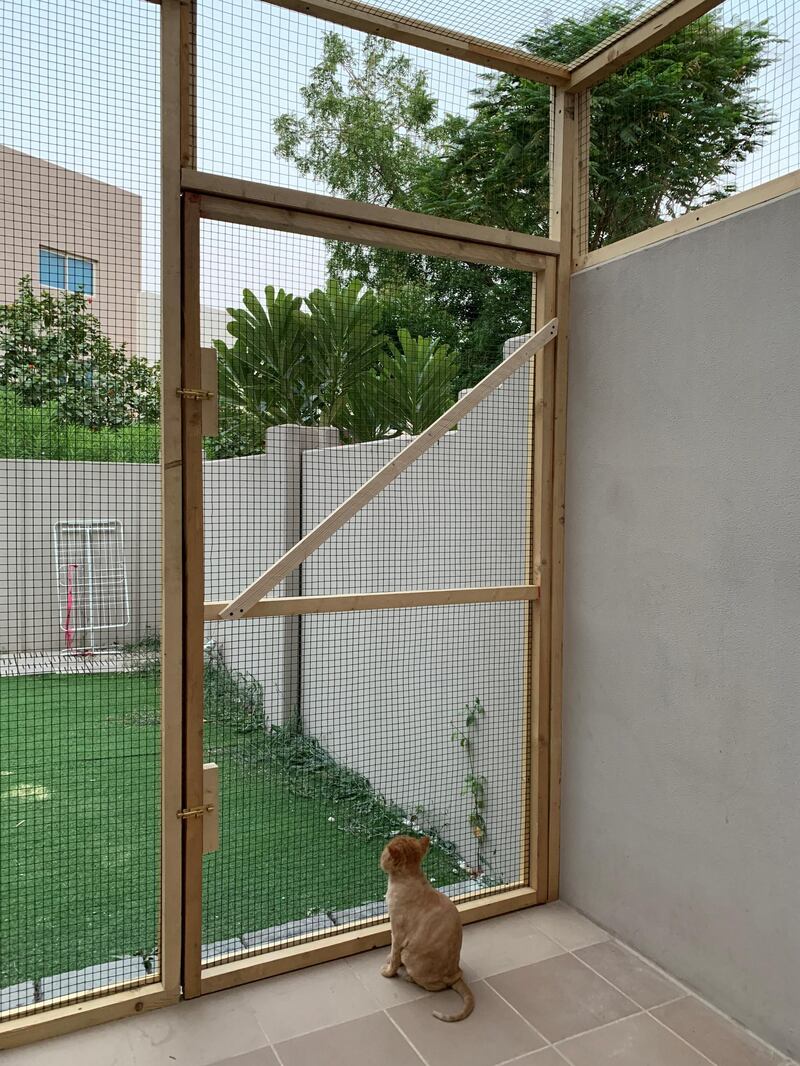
551, 989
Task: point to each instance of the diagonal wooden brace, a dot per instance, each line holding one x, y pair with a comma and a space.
297, 554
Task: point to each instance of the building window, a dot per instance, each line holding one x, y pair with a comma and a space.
59, 271
51, 269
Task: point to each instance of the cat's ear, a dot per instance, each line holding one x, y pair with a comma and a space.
424, 844
395, 849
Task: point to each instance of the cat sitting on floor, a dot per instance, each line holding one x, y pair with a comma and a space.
426, 926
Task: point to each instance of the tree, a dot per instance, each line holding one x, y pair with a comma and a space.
369, 121
52, 349
326, 359
667, 131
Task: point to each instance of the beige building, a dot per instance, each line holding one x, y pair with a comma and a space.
68, 232
213, 325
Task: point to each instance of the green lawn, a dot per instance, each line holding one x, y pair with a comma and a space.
79, 824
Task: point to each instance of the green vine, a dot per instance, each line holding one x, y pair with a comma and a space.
475, 784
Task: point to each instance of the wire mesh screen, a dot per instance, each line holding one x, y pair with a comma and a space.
509, 25
713, 110
79, 500
334, 731
289, 100
348, 735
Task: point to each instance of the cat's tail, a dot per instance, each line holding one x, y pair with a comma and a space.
464, 991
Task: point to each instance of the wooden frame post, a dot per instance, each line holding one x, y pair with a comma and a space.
192, 627
193, 598
538, 697
562, 228
172, 104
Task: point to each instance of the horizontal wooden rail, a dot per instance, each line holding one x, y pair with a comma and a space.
638, 38
256, 192
703, 216
283, 606
75, 1011
313, 225
253, 192
431, 38
350, 942
387, 474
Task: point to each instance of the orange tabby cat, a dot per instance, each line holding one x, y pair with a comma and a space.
426, 925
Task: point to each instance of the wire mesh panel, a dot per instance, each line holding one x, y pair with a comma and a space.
290, 100
711, 111
509, 24
79, 501
335, 731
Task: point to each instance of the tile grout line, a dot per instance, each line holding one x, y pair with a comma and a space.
609, 982
537, 929
688, 993
667, 1003
264, 1032
618, 1021
413, 1047
597, 1028
782, 1060
654, 965
644, 1010
683, 1040
525, 1054
274, 1051
530, 1025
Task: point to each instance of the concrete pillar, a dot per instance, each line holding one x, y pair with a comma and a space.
284, 451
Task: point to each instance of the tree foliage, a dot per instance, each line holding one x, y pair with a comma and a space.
330, 358
667, 132
53, 351
369, 121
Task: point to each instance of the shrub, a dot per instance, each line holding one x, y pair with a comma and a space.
42, 433
52, 349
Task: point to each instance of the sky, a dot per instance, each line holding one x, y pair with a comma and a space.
80, 87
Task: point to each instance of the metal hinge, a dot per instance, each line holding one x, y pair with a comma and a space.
196, 812
195, 394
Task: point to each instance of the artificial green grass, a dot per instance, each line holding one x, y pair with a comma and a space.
79, 822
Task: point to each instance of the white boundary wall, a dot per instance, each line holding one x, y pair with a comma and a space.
380, 690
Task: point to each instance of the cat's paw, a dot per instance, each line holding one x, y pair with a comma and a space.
388, 970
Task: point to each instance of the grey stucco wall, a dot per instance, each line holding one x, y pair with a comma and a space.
681, 793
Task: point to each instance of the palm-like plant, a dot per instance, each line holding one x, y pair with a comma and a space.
262, 376
416, 382
328, 364
344, 344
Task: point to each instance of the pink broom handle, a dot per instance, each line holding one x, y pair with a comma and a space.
69, 631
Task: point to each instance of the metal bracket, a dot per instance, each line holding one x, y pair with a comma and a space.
194, 394
196, 812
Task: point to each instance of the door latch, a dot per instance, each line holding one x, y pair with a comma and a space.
196, 812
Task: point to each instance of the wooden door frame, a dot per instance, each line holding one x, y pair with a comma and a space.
532, 886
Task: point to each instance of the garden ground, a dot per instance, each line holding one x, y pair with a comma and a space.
79, 822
